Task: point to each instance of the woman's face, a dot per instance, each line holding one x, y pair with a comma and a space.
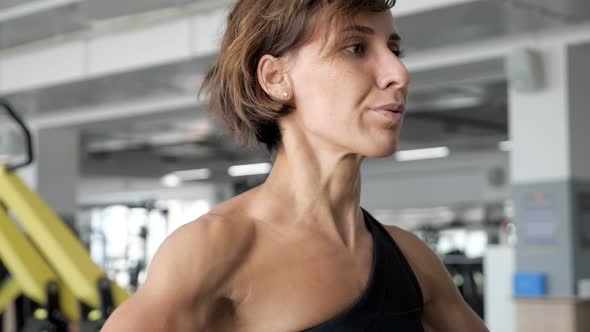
354, 101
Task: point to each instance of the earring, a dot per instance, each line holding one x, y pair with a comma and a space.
285, 95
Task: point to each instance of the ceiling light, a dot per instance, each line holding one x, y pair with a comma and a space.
176, 178
505, 146
253, 169
420, 154
171, 181
193, 174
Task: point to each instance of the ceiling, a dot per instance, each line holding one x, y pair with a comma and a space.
23, 22
180, 78
26, 21
480, 20
463, 107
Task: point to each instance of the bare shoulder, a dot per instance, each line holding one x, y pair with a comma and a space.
207, 250
187, 281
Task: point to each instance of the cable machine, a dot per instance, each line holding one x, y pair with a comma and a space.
44, 260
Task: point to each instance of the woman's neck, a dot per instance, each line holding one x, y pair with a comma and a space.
313, 187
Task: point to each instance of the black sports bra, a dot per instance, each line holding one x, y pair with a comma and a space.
392, 300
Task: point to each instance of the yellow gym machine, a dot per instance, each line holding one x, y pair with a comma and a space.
45, 261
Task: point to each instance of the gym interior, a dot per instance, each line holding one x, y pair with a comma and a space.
106, 149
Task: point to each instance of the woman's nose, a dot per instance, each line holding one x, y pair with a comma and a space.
392, 72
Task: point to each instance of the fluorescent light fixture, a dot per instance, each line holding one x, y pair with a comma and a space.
252, 169
171, 181
505, 146
175, 179
420, 154
193, 174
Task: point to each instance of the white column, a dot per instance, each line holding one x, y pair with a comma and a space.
55, 172
550, 167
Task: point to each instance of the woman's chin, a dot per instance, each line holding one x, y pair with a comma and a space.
383, 151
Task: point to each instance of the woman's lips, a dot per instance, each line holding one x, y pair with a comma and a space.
392, 111
394, 116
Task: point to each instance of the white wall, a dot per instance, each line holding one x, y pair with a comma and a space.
459, 179
499, 266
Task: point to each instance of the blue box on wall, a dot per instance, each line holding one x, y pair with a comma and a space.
530, 284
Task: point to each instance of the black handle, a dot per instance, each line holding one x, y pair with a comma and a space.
28, 138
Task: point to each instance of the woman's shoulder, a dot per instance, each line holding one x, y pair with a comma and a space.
231, 220
218, 228
225, 235
208, 250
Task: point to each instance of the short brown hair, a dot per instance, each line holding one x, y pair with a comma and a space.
259, 27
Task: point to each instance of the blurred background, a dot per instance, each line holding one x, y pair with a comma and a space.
493, 170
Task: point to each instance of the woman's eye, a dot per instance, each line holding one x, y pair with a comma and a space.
360, 49
356, 48
399, 53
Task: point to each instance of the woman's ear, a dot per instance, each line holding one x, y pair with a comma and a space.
272, 78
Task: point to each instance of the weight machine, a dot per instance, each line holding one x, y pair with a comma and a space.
46, 262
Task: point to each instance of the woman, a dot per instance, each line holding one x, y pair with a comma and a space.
320, 83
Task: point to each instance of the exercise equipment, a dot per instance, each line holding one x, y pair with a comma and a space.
467, 275
45, 261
